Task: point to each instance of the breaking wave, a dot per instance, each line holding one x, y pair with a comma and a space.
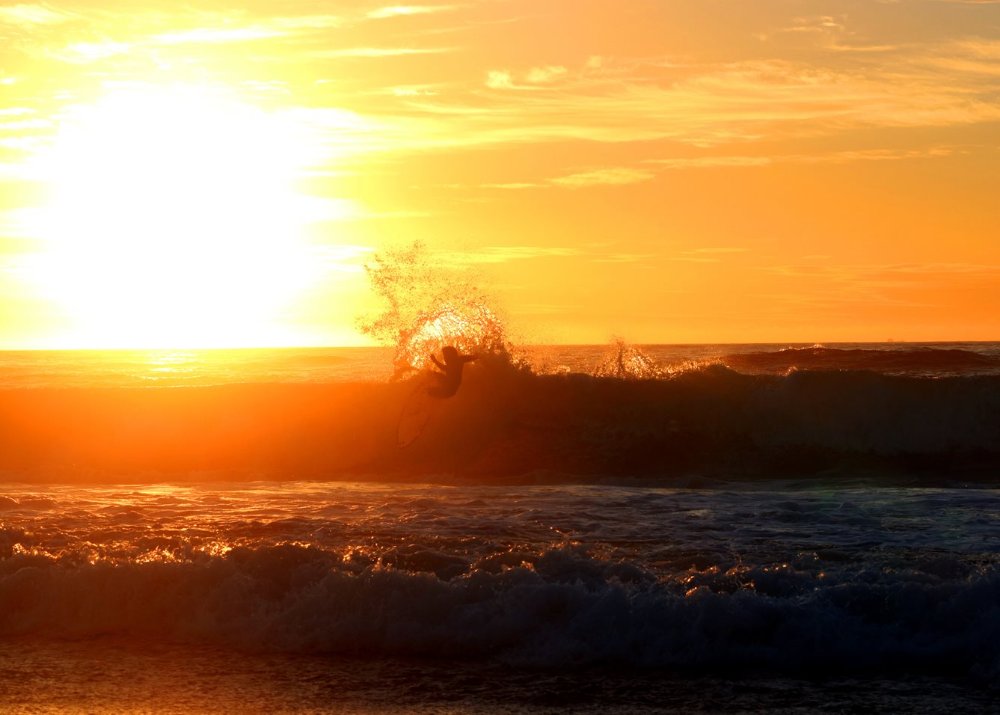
922, 361
506, 422
428, 305
560, 607
628, 362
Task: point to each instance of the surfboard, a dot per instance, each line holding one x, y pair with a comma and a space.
416, 414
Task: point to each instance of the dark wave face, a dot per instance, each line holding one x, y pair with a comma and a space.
510, 423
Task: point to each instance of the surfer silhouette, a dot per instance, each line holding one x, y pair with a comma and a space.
449, 378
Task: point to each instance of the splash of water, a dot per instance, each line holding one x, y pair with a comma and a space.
429, 305
627, 362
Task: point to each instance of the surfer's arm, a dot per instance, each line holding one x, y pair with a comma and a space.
440, 366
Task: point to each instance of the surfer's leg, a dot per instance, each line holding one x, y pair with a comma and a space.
439, 392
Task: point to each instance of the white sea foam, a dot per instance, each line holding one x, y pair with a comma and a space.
844, 580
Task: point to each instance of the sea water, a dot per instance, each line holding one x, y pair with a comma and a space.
180, 367
754, 528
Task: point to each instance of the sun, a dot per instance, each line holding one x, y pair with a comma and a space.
172, 219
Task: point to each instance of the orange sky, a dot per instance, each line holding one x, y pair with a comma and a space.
684, 171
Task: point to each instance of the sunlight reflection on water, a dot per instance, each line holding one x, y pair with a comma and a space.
109, 676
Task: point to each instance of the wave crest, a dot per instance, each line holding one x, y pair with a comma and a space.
627, 362
922, 361
562, 607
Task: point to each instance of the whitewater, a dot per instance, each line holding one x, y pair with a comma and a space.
599, 529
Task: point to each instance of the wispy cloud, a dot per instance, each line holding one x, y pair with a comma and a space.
970, 58
610, 176
532, 79
719, 249
499, 79
727, 103
712, 162
617, 176
621, 176
510, 186
19, 124
604, 99
592, 253
87, 52
815, 24
830, 33
391, 11
377, 52
211, 29
506, 254
207, 35
836, 157
33, 14
546, 74
308, 22
709, 254
412, 90
624, 258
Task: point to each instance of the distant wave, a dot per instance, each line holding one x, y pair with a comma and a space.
922, 361
562, 607
507, 422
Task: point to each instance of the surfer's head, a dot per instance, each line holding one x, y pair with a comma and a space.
450, 354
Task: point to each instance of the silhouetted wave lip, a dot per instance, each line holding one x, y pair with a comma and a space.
923, 361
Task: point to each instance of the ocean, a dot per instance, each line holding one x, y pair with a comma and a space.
685, 528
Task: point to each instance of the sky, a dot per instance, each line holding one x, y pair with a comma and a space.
663, 171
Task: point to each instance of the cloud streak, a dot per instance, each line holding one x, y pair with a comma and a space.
607, 99
741, 102
618, 176
381, 52
394, 11
837, 157
26, 14
497, 255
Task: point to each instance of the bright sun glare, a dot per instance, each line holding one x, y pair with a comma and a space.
172, 220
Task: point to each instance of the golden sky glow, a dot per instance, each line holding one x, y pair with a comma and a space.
691, 171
